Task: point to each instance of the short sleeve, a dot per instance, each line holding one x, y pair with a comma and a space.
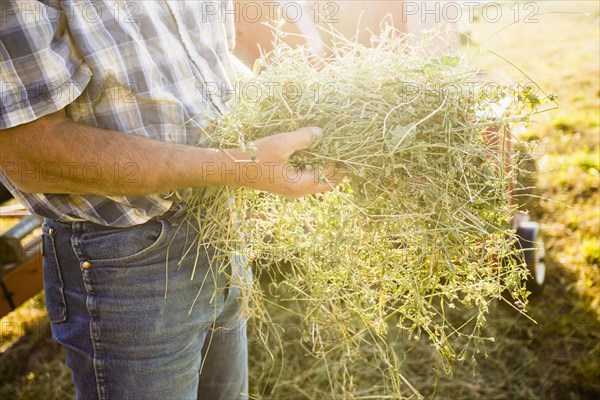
41, 70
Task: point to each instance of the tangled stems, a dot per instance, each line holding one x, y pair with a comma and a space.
417, 239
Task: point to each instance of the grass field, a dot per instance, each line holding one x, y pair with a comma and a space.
555, 357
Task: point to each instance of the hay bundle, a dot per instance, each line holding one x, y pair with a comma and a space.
420, 227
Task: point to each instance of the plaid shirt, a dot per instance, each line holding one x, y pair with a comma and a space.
151, 68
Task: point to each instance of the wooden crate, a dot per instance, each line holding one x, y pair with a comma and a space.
19, 282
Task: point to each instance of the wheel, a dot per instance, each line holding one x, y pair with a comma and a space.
532, 248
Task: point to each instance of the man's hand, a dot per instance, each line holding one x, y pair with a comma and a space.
273, 170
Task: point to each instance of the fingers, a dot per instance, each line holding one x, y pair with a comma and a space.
317, 181
300, 139
321, 187
331, 177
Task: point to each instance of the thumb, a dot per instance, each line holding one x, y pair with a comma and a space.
301, 139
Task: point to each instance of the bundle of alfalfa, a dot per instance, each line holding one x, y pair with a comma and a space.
421, 225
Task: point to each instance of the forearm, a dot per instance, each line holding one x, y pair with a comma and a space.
57, 155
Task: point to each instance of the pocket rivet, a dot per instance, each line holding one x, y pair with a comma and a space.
86, 265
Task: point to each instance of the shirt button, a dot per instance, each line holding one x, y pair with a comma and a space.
86, 265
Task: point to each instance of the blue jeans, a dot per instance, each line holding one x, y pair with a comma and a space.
105, 295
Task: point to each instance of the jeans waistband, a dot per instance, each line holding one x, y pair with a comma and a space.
175, 215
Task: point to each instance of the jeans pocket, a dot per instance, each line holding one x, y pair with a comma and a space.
53, 280
113, 246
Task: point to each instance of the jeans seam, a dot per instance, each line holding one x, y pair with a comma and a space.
75, 241
63, 314
89, 304
96, 359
